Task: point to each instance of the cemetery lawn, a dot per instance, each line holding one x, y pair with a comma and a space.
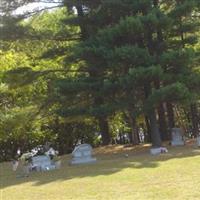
116, 176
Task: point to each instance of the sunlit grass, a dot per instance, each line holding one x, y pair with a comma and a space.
175, 175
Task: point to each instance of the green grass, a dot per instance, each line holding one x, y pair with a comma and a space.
175, 175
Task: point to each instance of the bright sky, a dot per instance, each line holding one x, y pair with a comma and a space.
34, 6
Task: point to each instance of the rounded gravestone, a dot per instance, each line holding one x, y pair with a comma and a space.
82, 154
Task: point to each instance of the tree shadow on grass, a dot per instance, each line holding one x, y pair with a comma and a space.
106, 165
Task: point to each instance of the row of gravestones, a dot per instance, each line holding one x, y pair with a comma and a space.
83, 153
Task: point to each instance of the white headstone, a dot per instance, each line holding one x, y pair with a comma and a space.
42, 163
82, 154
177, 137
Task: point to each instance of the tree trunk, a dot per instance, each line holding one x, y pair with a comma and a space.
155, 135
148, 128
194, 117
170, 116
161, 116
162, 123
161, 112
84, 32
135, 137
103, 123
130, 137
104, 129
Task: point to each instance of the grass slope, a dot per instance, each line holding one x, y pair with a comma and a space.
175, 175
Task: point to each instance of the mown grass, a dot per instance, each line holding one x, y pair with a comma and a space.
175, 175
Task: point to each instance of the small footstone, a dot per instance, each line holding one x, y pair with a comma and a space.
158, 150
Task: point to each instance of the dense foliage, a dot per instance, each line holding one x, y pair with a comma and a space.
97, 68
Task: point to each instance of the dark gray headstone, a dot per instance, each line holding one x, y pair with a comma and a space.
82, 154
198, 141
177, 137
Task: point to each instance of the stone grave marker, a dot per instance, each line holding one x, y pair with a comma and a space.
42, 163
158, 150
82, 154
177, 137
198, 141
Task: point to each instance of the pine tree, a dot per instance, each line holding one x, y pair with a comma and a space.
142, 26
137, 56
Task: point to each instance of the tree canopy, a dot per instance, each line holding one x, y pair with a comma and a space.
99, 67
